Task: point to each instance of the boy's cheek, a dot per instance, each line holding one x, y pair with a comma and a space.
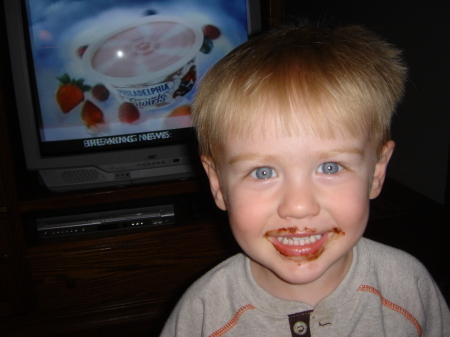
248, 212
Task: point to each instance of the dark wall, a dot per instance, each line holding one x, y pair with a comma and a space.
421, 127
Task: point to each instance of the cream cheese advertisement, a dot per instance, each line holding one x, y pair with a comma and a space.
107, 68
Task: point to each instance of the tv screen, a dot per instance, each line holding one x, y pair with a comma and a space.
99, 83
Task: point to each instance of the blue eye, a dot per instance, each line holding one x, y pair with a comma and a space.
329, 168
263, 173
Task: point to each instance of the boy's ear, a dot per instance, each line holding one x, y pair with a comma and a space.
214, 182
380, 169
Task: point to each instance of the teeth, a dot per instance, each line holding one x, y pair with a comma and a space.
293, 241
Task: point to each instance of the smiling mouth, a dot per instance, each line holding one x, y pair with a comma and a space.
296, 246
301, 245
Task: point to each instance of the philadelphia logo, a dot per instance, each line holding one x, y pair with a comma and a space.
146, 91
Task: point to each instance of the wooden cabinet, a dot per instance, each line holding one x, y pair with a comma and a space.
4, 309
114, 283
124, 268
122, 281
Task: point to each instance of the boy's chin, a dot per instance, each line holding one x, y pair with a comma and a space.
293, 284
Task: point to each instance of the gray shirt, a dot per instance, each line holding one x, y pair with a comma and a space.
386, 292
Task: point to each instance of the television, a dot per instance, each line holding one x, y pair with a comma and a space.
103, 88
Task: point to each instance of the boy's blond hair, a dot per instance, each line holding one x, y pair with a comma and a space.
308, 79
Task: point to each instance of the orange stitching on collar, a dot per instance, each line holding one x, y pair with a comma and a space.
394, 307
227, 327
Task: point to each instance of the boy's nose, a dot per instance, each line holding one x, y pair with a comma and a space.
298, 201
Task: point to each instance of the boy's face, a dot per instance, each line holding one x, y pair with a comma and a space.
297, 204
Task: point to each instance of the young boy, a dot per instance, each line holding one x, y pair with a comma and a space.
293, 128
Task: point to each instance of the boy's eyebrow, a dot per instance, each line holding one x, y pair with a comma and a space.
262, 157
342, 150
250, 157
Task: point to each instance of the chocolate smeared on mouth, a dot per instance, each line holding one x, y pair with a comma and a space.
291, 230
338, 232
334, 234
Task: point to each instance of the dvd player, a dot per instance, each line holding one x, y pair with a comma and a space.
105, 221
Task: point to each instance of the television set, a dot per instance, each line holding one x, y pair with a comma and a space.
103, 88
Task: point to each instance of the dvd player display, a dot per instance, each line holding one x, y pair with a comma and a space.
105, 221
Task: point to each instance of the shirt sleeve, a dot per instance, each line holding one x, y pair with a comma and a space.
186, 319
437, 320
